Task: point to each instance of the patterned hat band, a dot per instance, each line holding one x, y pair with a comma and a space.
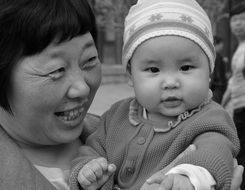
154, 18
168, 28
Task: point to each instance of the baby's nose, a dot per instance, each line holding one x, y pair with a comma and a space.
170, 82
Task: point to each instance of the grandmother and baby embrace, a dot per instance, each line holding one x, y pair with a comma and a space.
171, 135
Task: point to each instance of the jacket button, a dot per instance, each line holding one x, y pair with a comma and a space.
130, 170
141, 140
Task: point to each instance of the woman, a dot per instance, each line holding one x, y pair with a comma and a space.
49, 74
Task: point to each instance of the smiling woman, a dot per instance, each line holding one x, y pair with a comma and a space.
49, 74
51, 91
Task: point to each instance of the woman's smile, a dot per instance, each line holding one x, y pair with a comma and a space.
70, 115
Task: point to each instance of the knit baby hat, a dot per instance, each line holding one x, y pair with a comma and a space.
152, 18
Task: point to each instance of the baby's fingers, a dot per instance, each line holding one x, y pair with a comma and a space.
86, 177
111, 168
102, 162
105, 166
98, 167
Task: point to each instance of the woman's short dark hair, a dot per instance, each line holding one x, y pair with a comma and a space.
27, 27
237, 7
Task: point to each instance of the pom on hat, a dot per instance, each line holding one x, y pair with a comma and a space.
152, 18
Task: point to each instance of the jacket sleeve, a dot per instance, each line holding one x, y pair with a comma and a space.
90, 124
17, 172
214, 134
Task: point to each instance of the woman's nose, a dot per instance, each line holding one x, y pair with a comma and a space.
78, 87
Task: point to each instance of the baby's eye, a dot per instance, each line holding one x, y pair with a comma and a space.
92, 59
186, 67
57, 73
153, 69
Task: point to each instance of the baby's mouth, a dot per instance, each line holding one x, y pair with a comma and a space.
172, 102
170, 99
70, 114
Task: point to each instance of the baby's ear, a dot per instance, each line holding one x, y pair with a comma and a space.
130, 83
129, 78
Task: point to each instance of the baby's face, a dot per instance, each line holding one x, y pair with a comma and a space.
170, 75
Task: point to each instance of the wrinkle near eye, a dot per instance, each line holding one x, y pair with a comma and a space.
37, 79
36, 71
37, 76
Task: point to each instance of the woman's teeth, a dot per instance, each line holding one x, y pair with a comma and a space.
70, 115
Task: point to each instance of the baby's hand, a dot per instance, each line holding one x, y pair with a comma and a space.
176, 182
95, 173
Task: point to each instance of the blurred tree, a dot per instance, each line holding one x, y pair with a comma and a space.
110, 14
214, 8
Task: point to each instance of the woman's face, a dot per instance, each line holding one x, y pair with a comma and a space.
52, 91
237, 24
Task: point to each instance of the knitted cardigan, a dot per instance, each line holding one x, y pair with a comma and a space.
17, 172
139, 148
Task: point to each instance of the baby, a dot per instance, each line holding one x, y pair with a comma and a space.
169, 55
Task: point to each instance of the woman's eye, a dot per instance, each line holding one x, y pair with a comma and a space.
57, 73
91, 62
153, 69
186, 67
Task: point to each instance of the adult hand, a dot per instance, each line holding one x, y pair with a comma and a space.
237, 176
153, 182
